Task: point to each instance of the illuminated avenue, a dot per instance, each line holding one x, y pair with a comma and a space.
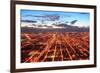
54, 46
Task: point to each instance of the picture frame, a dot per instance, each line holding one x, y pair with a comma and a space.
28, 19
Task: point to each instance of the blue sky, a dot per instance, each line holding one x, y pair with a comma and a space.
62, 17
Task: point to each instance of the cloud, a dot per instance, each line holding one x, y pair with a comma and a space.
52, 17
73, 22
84, 13
30, 21
81, 24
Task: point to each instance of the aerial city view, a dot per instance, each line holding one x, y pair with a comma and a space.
49, 36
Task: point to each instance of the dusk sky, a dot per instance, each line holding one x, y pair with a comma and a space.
50, 17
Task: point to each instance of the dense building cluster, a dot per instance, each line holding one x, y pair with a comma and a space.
54, 46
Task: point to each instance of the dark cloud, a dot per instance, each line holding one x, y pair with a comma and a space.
73, 22
66, 22
30, 21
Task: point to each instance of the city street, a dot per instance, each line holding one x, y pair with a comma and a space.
54, 46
